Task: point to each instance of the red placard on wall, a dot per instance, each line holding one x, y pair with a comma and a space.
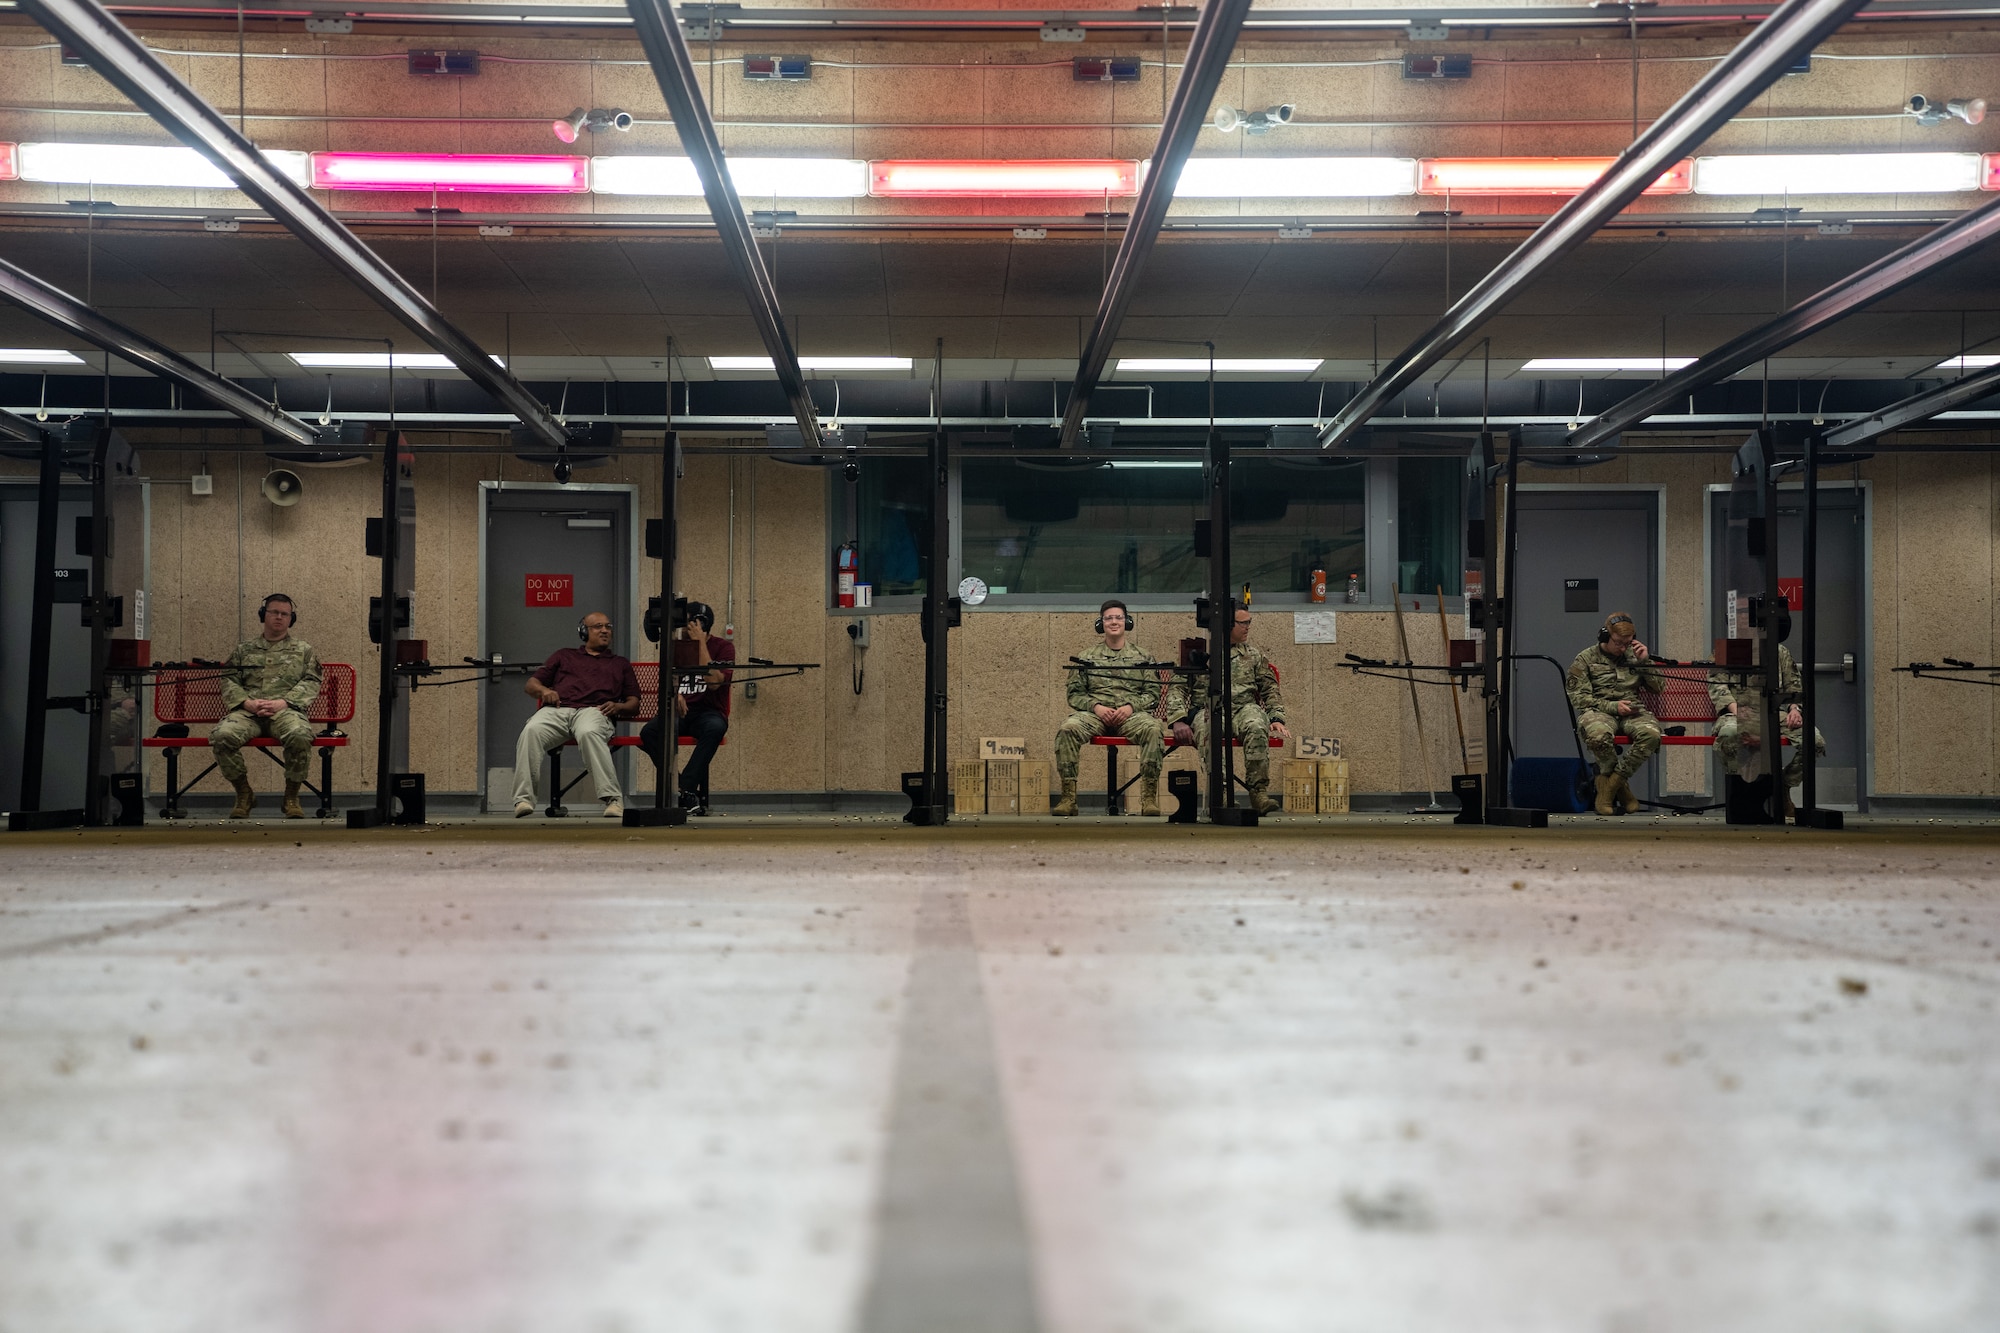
1794, 591
551, 589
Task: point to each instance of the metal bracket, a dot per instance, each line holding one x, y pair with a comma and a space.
221, 224
1062, 32
336, 26
1429, 30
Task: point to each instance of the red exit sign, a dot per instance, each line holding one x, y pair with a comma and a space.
1794, 591
551, 589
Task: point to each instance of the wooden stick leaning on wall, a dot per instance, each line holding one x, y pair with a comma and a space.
1444, 637
1423, 743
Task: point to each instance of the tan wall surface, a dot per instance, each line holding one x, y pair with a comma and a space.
1936, 564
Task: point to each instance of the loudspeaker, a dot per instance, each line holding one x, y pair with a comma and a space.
1184, 785
131, 798
282, 487
1470, 788
1746, 802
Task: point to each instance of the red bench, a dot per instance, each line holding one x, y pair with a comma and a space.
1684, 700
1113, 789
648, 674
182, 698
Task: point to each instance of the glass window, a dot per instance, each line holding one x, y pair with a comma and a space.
1032, 529
1429, 519
892, 508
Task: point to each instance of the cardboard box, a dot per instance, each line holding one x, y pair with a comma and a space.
1035, 776
1003, 786
968, 787
1128, 778
1333, 786
1301, 786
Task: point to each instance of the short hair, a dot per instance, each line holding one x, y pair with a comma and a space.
1617, 618
1112, 603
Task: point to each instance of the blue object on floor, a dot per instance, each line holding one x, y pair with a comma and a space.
1548, 784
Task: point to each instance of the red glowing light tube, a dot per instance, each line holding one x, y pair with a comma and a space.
455, 173
1532, 175
9, 169
996, 178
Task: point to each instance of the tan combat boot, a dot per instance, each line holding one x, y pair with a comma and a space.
1261, 800
1628, 799
291, 806
1607, 790
1066, 803
1149, 797
245, 798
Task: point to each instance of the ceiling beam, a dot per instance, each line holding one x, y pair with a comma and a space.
667, 51
1916, 408
20, 429
1207, 57
1862, 287
90, 30
1760, 60
64, 311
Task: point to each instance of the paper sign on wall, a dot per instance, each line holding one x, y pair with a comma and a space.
1003, 747
551, 590
1313, 627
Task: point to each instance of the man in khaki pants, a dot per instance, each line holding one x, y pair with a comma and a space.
583, 692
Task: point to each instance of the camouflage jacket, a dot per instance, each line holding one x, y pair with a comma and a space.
1746, 692
260, 669
1114, 689
1600, 682
1252, 680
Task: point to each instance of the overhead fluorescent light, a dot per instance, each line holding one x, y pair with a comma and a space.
1533, 175
1837, 173
38, 356
1958, 365
813, 363
997, 178
10, 166
1223, 366
1156, 464
137, 164
375, 360
1296, 178
1651, 365
458, 173
785, 177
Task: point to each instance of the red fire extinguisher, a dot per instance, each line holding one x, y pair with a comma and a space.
847, 572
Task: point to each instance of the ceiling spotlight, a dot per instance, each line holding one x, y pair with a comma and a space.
1229, 119
592, 120
1929, 111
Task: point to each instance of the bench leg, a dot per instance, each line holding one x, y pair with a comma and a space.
172, 809
325, 781
1111, 791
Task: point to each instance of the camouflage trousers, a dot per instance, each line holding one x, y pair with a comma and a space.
1732, 738
1253, 728
289, 728
1597, 730
1142, 729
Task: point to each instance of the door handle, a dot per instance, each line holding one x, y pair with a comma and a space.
1845, 666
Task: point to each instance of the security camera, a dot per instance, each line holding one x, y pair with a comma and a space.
1928, 111
571, 125
562, 472
1228, 119
592, 120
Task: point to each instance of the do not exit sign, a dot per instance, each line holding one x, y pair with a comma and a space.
551, 589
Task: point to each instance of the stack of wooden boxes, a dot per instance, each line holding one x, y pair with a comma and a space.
1003, 781
1316, 787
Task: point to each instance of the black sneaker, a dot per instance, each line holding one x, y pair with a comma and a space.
691, 802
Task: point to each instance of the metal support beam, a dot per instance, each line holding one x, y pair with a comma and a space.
666, 49
41, 625
20, 429
87, 28
1760, 60
1207, 57
941, 610
1918, 407
1863, 287
64, 311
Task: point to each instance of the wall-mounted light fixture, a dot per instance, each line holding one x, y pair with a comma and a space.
1927, 111
787, 68
593, 121
1228, 119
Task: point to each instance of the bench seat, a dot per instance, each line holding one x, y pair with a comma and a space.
193, 697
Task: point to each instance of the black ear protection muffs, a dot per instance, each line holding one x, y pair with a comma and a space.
703, 612
1615, 618
1099, 627
582, 634
279, 597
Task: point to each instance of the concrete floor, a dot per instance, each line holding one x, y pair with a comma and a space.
1103, 1077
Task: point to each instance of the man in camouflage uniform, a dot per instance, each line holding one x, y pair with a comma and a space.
270, 685
1256, 707
1604, 684
1739, 718
1112, 703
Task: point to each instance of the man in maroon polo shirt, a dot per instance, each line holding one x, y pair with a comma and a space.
583, 692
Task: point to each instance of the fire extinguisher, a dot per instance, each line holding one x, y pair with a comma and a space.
847, 572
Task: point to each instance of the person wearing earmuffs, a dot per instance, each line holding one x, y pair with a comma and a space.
267, 689
1603, 686
582, 692
1118, 701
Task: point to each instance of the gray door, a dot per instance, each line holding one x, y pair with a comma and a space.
68, 734
1840, 671
1583, 554
534, 539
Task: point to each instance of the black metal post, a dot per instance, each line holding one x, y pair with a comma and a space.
40, 634
1499, 773
939, 602
1774, 611
385, 696
1491, 695
1809, 638
1222, 603
96, 796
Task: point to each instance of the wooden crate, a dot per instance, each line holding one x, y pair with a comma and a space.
1301, 786
1035, 779
968, 787
1333, 786
1003, 786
